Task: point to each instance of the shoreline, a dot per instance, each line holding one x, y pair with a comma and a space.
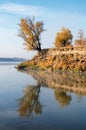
52, 59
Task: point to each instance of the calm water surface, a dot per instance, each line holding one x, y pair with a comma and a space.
39, 100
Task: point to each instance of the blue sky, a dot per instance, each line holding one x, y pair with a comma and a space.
55, 14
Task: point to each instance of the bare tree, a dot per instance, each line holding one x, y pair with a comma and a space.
81, 40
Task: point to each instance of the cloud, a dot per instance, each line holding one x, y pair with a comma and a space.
21, 9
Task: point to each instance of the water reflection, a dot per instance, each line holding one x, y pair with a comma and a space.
62, 97
29, 103
63, 83
67, 81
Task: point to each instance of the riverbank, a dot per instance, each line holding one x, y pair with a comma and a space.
54, 59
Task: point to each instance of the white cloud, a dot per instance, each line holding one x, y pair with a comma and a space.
21, 9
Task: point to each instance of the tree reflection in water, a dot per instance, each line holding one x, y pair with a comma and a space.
29, 103
61, 82
62, 97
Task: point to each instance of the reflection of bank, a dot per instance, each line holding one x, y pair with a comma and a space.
62, 82
29, 103
67, 81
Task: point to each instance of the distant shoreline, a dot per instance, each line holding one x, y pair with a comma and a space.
4, 59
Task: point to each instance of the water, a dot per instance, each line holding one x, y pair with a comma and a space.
39, 100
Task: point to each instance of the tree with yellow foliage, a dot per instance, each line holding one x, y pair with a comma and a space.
31, 31
81, 40
63, 38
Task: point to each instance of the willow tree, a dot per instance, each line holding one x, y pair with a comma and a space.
63, 38
30, 31
81, 40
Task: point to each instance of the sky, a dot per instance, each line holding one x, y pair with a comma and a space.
54, 13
